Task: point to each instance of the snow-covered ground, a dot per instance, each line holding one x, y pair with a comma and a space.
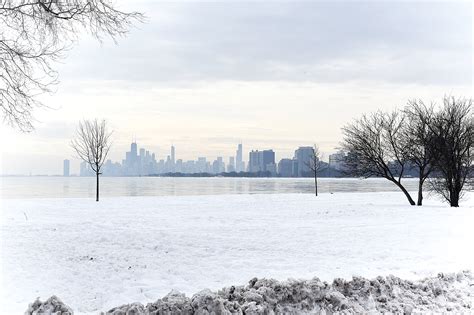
95, 256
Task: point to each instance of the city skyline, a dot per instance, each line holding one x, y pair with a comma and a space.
281, 80
139, 161
117, 151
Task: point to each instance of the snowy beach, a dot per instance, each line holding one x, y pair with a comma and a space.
96, 256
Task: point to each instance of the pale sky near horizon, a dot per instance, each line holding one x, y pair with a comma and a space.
206, 75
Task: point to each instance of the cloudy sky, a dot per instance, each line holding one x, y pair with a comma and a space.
205, 75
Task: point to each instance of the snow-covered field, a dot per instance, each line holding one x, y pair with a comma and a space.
95, 256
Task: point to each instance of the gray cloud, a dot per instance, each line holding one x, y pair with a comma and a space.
396, 42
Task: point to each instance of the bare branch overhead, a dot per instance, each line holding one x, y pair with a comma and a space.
34, 35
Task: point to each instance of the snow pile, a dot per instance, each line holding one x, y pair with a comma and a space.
173, 303
52, 306
444, 293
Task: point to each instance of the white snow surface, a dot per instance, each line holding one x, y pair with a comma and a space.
96, 256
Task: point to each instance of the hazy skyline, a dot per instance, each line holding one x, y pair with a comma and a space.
206, 76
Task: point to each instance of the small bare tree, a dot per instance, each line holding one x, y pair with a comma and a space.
92, 144
453, 148
416, 136
34, 35
375, 148
316, 165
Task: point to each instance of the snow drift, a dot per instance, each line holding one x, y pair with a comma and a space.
444, 293
98, 256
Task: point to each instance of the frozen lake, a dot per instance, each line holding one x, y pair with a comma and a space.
65, 187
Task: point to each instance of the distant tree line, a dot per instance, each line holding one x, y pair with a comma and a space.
223, 174
436, 141
324, 172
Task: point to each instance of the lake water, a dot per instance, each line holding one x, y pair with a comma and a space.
65, 187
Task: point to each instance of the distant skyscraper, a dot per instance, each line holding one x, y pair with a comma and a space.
262, 161
231, 165
303, 156
254, 164
66, 165
336, 161
134, 165
239, 164
218, 166
133, 150
173, 156
201, 165
267, 160
179, 166
285, 167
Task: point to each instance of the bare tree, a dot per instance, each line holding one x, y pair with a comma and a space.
316, 165
416, 137
35, 34
92, 144
453, 144
375, 148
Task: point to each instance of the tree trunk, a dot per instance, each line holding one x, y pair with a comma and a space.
316, 183
455, 191
407, 194
97, 188
454, 199
420, 191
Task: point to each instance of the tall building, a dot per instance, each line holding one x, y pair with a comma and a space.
262, 161
285, 167
303, 156
239, 163
254, 163
268, 159
133, 151
66, 167
133, 164
231, 165
179, 166
271, 168
111, 169
218, 166
202, 165
130, 164
337, 161
173, 155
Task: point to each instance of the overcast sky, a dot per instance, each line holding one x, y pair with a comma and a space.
205, 75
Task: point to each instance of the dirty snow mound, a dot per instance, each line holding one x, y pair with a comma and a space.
444, 293
441, 294
52, 306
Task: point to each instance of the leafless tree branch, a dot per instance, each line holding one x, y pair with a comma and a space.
374, 148
416, 137
35, 34
452, 145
